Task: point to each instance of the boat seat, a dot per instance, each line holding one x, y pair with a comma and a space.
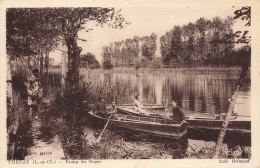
208, 116
138, 119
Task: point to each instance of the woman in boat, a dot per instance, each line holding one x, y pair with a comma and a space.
178, 115
138, 107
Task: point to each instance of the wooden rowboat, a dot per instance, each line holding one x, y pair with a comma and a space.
146, 125
207, 121
203, 121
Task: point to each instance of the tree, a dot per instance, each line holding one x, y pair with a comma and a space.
127, 52
176, 43
205, 41
89, 61
201, 26
107, 64
165, 48
148, 47
244, 12
63, 24
156, 63
71, 21
29, 33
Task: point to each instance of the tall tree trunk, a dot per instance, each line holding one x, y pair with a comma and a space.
72, 80
12, 129
9, 90
63, 65
230, 110
29, 63
46, 61
41, 61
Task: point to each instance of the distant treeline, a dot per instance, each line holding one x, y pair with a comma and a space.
129, 51
203, 43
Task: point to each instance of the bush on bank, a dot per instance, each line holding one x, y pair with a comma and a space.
66, 116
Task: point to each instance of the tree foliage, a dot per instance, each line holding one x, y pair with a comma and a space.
28, 31
245, 14
32, 28
107, 64
89, 61
148, 47
243, 36
205, 42
130, 51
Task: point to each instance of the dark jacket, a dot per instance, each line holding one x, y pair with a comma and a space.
101, 110
178, 115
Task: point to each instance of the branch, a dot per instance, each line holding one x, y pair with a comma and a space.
62, 50
82, 39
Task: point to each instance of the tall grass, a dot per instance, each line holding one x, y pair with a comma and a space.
111, 92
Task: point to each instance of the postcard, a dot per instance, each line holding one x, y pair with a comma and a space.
130, 83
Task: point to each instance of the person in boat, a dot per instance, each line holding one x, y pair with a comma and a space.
233, 114
101, 109
178, 115
114, 106
138, 107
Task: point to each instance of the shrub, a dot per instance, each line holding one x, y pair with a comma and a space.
156, 63
107, 65
89, 61
67, 115
144, 63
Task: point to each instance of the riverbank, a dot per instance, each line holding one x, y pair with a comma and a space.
115, 144
198, 70
193, 69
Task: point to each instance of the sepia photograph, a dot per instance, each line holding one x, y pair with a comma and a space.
128, 83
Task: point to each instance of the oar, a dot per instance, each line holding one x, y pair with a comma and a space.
99, 138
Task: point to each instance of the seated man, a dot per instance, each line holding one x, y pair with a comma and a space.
177, 115
101, 109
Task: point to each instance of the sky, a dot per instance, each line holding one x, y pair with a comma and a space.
145, 21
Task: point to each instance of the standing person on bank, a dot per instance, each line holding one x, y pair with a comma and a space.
178, 115
34, 92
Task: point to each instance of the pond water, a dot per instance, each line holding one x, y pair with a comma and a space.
193, 91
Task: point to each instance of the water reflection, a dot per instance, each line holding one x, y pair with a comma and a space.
194, 92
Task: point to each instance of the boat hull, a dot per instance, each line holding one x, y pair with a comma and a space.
145, 125
205, 121
233, 126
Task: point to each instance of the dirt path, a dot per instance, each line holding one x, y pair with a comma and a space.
45, 146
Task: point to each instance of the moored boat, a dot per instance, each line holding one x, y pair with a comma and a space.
147, 125
206, 121
203, 121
